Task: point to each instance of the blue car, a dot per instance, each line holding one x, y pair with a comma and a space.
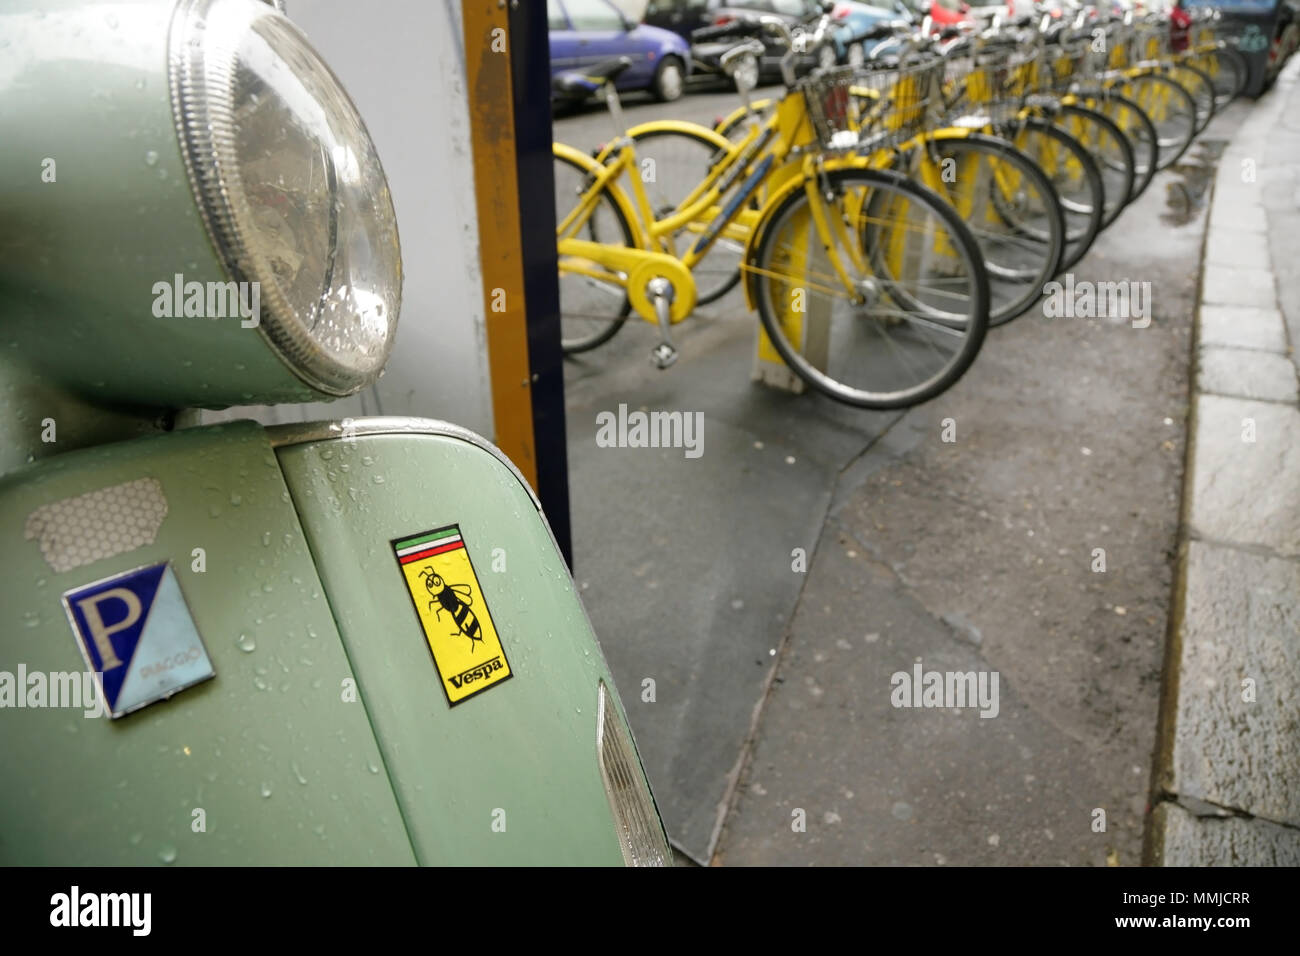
586, 32
856, 19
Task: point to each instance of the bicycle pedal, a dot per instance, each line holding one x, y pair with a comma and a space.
663, 355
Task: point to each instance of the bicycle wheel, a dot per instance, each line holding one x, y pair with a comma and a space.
591, 310
1114, 156
1011, 209
1198, 83
672, 164
918, 310
1227, 70
1171, 110
1137, 129
1074, 175
735, 126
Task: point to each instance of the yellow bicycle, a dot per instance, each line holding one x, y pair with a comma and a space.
878, 119
867, 284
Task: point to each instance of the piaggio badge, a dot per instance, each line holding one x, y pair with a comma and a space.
449, 602
135, 631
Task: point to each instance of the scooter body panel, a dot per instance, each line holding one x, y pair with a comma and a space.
281, 766
333, 730
508, 775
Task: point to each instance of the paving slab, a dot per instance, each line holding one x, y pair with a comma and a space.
1238, 679
1246, 491
1224, 247
1233, 285
1243, 328
1248, 217
1245, 373
1182, 838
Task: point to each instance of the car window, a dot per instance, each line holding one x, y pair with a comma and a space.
593, 15
555, 16
953, 5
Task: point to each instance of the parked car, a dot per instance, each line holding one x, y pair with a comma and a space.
857, 19
1267, 32
983, 11
684, 17
943, 13
586, 32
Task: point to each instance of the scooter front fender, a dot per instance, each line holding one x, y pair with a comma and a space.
331, 732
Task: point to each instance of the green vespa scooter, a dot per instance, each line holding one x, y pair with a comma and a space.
344, 642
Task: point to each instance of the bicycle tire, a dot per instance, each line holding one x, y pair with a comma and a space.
1114, 155
1172, 140
577, 341
1198, 83
1013, 289
1228, 72
971, 324
1138, 130
1079, 187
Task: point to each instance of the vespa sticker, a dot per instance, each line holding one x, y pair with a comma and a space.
453, 611
136, 633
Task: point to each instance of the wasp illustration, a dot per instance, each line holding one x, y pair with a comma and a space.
456, 599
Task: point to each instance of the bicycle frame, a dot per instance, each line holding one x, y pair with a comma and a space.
763, 158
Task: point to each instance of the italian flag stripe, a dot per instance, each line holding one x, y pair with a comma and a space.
428, 551
421, 541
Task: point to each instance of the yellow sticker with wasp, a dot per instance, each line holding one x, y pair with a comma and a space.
467, 651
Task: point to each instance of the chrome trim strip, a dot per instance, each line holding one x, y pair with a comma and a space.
301, 433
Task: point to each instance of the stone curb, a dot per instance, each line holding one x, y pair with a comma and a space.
1228, 761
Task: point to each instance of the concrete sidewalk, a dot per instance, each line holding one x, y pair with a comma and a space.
1228, 763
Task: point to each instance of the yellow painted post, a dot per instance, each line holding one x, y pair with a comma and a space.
492, 140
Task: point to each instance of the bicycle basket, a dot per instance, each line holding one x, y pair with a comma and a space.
1069, 64
851, 106
989, 86
1150, 41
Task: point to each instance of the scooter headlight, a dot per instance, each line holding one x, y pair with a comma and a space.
290, 187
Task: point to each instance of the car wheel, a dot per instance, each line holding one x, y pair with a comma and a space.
857, 55
745, 74
826, 58
669, 79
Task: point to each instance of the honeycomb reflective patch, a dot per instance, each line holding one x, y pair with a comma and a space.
99, 524
453, 612
137, 635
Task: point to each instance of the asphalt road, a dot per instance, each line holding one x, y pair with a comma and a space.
772, 697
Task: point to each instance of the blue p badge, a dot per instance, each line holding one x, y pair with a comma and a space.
137, 634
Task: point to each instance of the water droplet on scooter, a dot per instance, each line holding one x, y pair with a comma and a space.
247, 644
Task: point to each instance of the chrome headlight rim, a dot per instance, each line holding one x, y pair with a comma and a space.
201, 74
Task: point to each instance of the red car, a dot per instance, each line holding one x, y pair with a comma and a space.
942, 13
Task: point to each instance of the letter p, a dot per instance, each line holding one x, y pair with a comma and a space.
101, 632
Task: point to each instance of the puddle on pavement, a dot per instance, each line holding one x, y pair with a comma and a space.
1185, 196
